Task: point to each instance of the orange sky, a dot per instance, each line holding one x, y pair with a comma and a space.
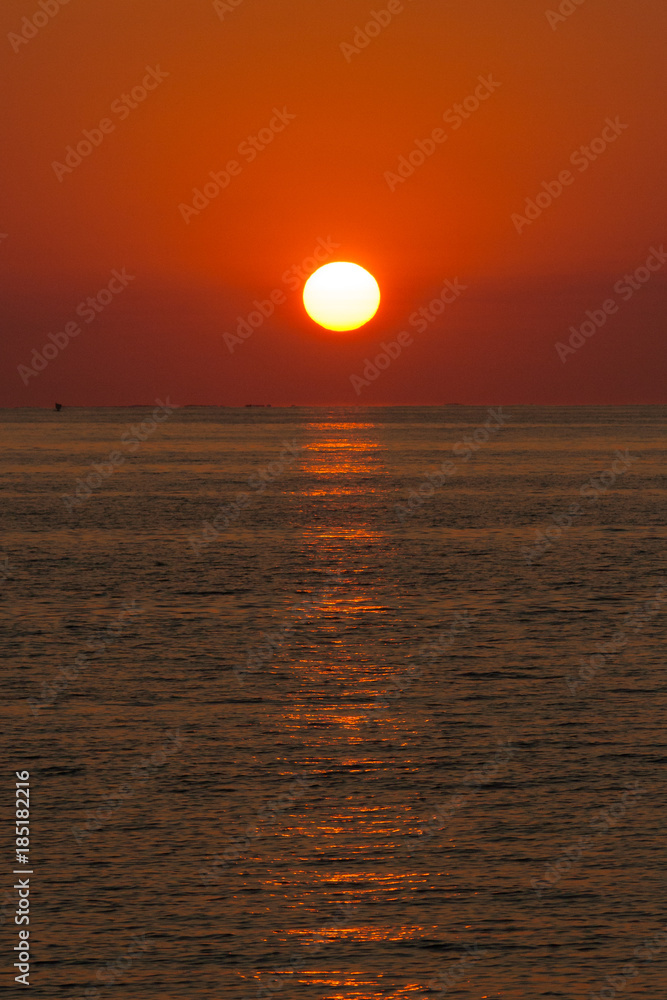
329, 176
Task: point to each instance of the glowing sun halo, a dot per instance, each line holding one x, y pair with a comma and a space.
341, 296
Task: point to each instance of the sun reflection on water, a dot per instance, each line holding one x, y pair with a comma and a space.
340, 661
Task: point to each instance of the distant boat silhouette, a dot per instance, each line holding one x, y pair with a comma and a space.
58, 407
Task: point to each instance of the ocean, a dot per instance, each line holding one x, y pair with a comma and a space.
336, 704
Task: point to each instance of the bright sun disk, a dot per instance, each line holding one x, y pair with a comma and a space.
341, 296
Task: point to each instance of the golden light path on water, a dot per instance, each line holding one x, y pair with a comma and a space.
342, 690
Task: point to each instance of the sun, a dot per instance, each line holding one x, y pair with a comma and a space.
341, 296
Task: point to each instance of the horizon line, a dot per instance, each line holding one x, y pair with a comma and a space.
316, 406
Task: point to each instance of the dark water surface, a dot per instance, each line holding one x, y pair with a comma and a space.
320, 744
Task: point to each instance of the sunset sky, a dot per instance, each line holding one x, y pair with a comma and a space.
336, 118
